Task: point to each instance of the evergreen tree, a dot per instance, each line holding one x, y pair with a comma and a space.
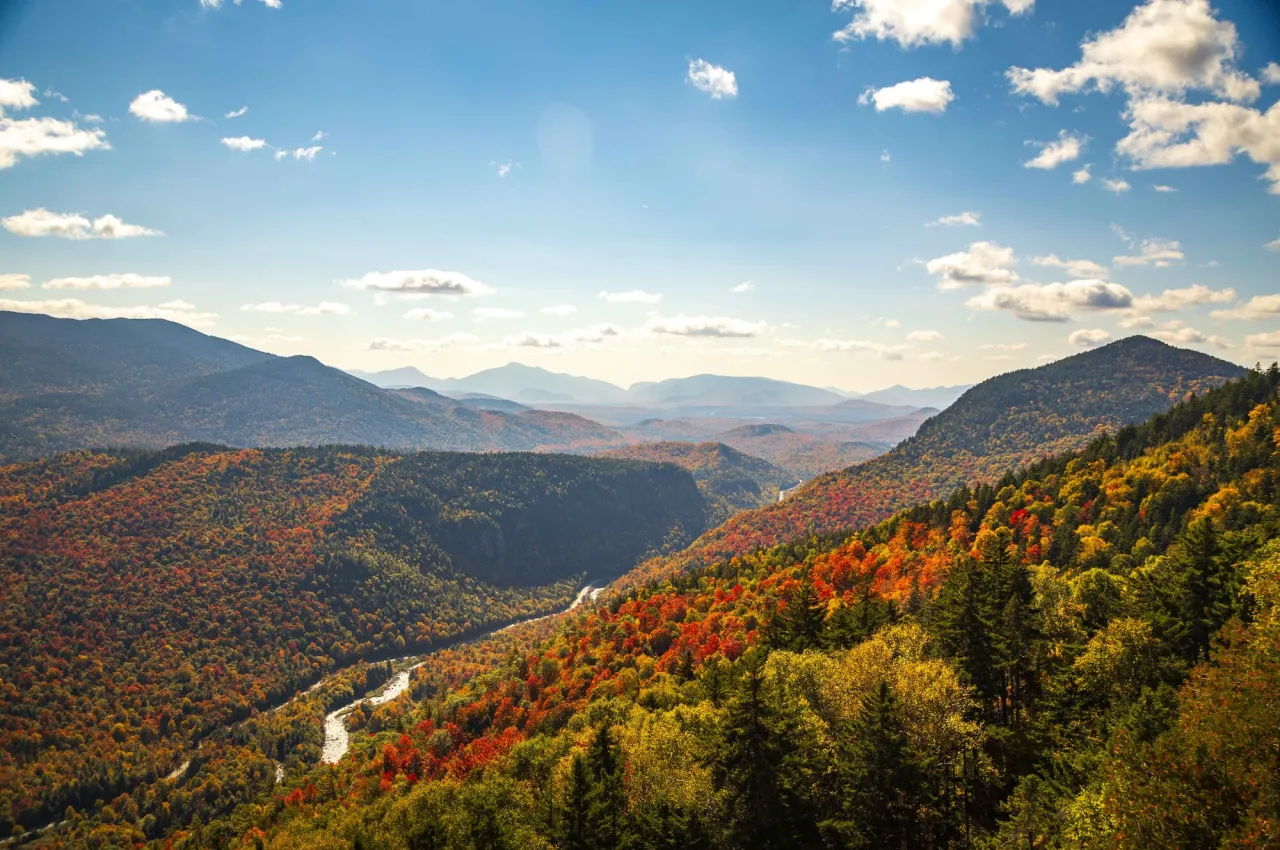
961, 621
606, 801
799, 624
574, 822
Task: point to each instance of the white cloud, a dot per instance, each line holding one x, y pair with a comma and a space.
309, 154
1258, 307
1270, 340
426, 314
964, 219
17, 94
1163, 46
73, 308
1076, 269
912, 23
593, 335
635, 296
107, 281
244, 143
560, 310
1160, 187
383, 344
983, 263
1167, 133
1089, 338
158, 108
1271, 73
1273, 245
504, 168
1160, 253
712, 79
236, 113
31, 137
482, 313
320, 134
419, 283
1053, 302
324, 308
1052, 154
715, 326
745, 286
1172, 300
1116, 184
884, 157
14, 281
885, 352
922, 95
40, 222
1137, 322
925, 336
1082, 175
1191, 336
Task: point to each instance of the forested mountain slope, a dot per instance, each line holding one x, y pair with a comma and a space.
998, 425
732, 480
148, 598
1083, 654
149, 383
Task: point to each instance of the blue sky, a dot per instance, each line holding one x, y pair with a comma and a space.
514, 157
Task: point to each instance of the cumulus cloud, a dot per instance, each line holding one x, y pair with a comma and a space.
983, 263
912, 23
308, 154
1053, 302
107, 281
426, 314
157, 107
324, 308
1160, 253
1257, 308
1172, 300
483, 313
1163, 46
593, 335
712, 79
1168, 133
1160, 187
560, 310
1082, 175
925, 336
1271, 73
40, 222
14, 281
1052, 154
419, 283
1191, 336
1116, 184
1089, 338
922, 95
713, 326
408, 345
73, 308
885, 352
1076, 269
31, 137
244, 143
634, 296
964, 219
748, 286
1270, 340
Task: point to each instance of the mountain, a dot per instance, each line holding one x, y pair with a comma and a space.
938, 397
155, 597
405, 376
1000, 424
150, 383
1083, 654
732, 480
805, 456
522, 383
708, 391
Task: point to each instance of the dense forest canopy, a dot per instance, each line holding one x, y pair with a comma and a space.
1082, 654
148, 598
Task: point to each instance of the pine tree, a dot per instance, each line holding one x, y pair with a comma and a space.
964, 628
606, 801
799, 624
574, 822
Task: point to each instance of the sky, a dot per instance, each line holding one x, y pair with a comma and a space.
851, 194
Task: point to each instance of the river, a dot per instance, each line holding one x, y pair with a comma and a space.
336, 738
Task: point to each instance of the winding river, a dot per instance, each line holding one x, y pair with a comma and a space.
336, 738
